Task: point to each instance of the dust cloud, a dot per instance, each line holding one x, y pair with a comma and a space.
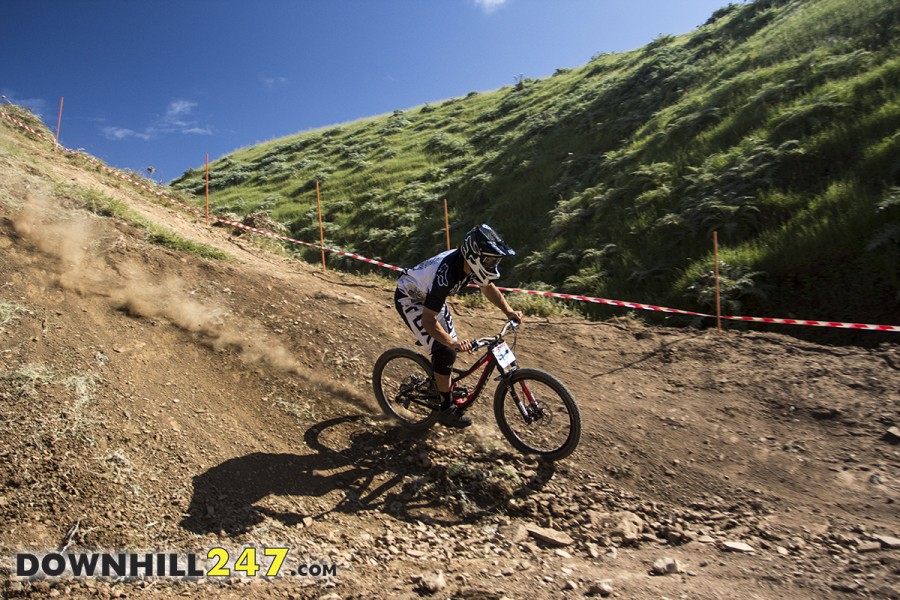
75, 245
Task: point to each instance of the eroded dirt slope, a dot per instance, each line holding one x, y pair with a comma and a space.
151, 400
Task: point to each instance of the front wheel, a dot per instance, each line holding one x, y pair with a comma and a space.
403, 382
537, 414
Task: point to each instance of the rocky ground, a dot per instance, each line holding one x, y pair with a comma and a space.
155, 401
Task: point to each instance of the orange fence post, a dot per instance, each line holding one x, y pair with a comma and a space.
207, 189
447, 223
59, 120
321, 233
716, 268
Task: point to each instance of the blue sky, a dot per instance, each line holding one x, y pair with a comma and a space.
165, 82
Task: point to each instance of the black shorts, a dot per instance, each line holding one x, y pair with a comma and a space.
411, 313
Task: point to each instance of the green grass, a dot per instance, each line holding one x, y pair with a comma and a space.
106, 206
774, 124
24, 115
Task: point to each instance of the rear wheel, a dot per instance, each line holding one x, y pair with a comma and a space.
404, 387
537, 414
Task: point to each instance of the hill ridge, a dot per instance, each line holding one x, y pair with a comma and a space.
135, 417
578, 297
773, 123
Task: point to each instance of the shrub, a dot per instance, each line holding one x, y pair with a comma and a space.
736, 284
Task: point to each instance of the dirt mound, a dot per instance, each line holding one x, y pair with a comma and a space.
154, 401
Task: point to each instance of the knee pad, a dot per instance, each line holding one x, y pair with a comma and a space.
442, 359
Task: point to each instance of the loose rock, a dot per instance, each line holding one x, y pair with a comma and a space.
888, 541
868, 547
737, 547
601, 588
432, 584
665, 566
513, 533
550, 536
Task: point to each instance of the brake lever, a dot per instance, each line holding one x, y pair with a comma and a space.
479, 343
510, 325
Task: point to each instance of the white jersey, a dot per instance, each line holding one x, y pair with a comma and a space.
431, 282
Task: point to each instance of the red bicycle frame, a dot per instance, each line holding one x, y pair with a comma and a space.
489, 363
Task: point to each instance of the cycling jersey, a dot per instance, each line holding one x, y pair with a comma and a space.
428, 285
433, 280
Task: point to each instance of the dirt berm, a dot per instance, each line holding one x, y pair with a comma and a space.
152, 401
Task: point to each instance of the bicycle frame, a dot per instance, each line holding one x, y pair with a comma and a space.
489, 363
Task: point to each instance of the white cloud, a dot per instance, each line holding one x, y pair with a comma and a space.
489, 6
180, 107
198, 131
177, 118
272, 83
117, 133
122, 133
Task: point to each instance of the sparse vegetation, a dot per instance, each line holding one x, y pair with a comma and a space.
78, 415
295, 408
470, 299
469, 487
539, 306
24, 115
9, 312
82, 387
99, 203
31, 375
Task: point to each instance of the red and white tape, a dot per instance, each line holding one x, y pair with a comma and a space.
579, 298
635, 305
311, 245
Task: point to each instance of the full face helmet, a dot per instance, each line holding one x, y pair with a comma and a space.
482, 250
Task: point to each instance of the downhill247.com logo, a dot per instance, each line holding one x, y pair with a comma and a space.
248, 562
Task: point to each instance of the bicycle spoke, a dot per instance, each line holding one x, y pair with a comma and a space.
405, 388
538, 415
541, 433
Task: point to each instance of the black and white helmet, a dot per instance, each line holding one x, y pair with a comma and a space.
482, 250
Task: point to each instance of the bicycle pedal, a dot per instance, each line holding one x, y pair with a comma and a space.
460, 391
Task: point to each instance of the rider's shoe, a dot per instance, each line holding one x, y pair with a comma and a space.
453, 417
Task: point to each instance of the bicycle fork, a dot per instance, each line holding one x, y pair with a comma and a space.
532, 411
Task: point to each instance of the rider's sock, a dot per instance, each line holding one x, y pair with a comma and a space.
446, 400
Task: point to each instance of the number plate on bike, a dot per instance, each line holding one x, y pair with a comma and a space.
504, 355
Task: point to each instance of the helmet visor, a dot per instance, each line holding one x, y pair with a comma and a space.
490, 262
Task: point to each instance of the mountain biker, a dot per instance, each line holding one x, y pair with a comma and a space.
421, 297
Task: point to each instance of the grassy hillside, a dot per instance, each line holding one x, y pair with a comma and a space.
776, 123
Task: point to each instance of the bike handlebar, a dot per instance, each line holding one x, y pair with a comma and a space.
482, 342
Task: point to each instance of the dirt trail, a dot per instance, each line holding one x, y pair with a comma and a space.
151, 400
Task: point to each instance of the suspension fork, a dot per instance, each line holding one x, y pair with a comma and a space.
528, 406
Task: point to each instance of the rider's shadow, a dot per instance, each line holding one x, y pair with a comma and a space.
226, 497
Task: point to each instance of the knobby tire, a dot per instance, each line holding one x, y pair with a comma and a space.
563, 419
399, 367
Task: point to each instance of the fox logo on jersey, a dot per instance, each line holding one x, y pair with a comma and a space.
441, 275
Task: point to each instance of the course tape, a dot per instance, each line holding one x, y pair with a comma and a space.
317, 246
635, 305
619, 303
